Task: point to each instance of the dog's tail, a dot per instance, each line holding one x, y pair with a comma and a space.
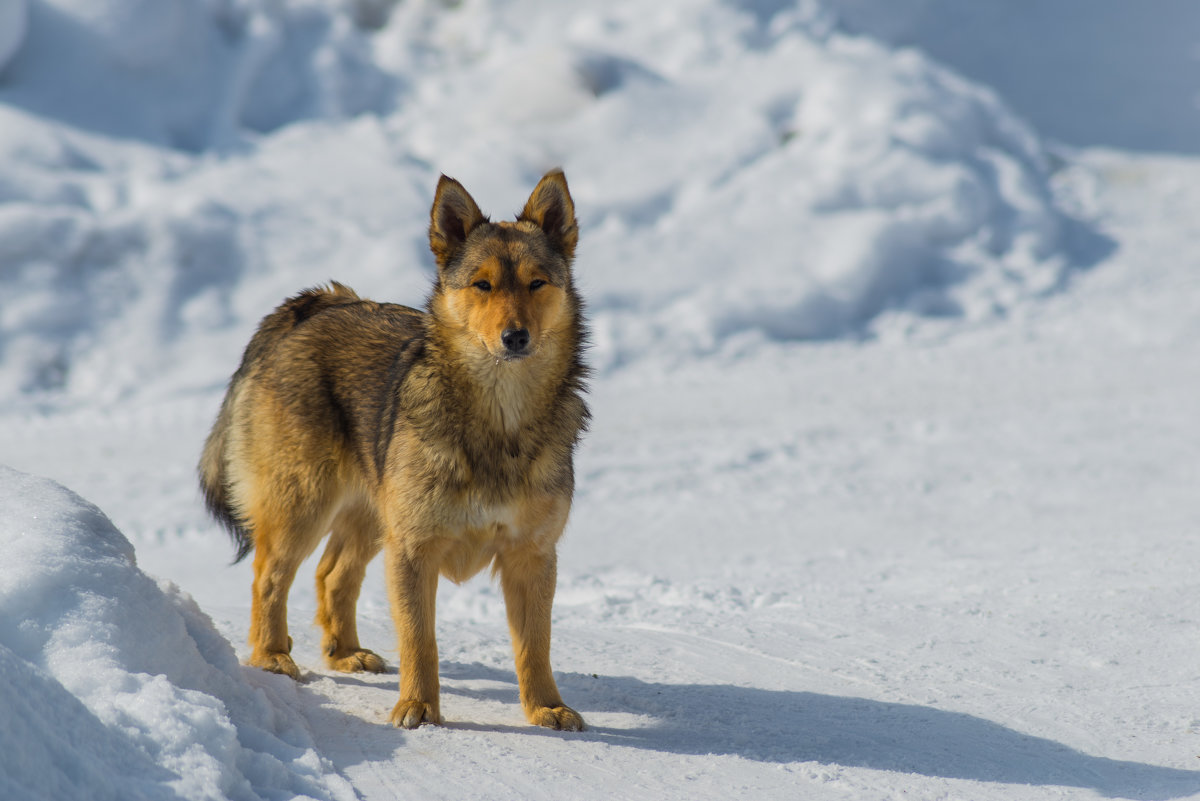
215, 458
214, 482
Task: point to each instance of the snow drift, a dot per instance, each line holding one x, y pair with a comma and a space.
1062, 63
119, 688
746, 173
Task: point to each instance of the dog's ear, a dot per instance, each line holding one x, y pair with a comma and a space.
550, 208
452, 218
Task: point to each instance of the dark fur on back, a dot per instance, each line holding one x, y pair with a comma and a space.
402, 337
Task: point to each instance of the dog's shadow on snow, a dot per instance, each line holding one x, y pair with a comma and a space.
774, 726
784, 727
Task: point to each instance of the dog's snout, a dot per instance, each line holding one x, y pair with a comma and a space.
515, 340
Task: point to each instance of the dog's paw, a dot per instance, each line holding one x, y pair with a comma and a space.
358, 661
275, 663
562, 718
411, 714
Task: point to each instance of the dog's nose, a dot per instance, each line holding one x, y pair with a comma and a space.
515, 340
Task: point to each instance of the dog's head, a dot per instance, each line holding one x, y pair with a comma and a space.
504, 289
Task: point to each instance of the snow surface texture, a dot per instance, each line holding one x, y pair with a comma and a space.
120, 688
891, 490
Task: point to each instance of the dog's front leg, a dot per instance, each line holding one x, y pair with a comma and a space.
528, 577
412, 583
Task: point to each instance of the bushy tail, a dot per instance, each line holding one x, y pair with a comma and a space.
213, 481
214, 460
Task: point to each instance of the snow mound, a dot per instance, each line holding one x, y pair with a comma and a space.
1042, 56
746, 174
120, 688
191, 74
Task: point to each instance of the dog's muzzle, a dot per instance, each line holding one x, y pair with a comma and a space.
516, 341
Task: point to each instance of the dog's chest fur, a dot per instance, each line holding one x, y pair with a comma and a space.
477, 457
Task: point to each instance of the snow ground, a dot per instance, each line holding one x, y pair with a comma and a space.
942, 550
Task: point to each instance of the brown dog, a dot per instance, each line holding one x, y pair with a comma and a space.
444, 437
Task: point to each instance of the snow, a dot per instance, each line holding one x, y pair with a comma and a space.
892, 482
120, 687
14, 21
1110, 75
875, 180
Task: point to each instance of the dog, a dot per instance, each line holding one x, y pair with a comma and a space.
443, 437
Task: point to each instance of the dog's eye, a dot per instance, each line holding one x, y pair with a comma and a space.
482, 285
536, 283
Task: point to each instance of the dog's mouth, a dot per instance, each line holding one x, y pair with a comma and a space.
514, 345
502, 355
505, 355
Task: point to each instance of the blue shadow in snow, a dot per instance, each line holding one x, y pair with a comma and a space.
785, 727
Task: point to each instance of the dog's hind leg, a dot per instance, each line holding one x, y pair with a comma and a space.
528, 578
274, 570
284, 536
355, 541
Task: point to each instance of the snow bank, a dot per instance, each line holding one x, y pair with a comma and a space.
1061, 63
746, 174
746, 169
191, 74
119, 688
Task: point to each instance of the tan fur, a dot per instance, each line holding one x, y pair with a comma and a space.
443, 438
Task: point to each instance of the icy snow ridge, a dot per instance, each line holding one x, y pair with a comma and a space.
119, 688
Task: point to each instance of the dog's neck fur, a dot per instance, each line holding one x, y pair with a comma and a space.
503, 395
508, 392
506, 416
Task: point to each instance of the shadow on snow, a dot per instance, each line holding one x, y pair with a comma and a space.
777, 726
